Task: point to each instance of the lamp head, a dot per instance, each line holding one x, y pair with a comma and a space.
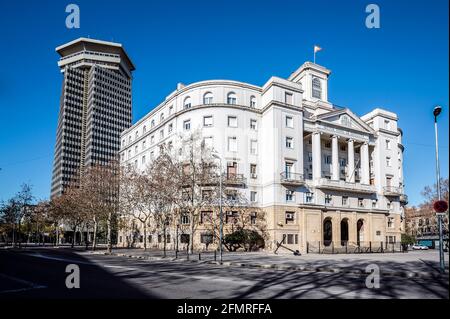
437, 110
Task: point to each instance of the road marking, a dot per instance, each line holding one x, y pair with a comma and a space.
30, 284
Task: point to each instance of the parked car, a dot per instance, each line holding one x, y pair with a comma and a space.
419, 247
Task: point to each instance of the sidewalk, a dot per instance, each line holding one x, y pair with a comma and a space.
410, 264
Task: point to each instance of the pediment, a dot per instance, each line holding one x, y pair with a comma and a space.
345, 118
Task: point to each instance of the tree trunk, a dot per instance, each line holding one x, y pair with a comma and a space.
94, 239
165, 240
191, 237
19, 237
74, 236
109, 234
145, 234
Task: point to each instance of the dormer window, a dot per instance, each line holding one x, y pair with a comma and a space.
253, 101
316, 88
231, 98
208, 98
187, 103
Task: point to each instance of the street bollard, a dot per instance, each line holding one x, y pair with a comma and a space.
199, 256
187, 253
176, 254
215, 255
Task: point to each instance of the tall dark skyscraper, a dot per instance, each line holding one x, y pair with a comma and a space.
95, 107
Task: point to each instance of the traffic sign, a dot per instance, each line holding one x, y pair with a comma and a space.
440, 206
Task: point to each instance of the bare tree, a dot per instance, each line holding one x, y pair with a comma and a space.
164, 188
197, 173
136, 198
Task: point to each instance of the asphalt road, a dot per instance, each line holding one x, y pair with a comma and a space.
41, 273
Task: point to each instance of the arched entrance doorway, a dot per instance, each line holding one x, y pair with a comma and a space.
360, 231
344, 231
327, 231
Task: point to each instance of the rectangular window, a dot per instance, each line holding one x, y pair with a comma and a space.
309, 197
206, 238
289, 217
292, 239
328, 199
290, 195
327, 159
327, 144
187, 125
374, 203
289, 122
143, 144
152, 139
390, 222
232, 144
344, 200
206, 217
253, 147
253, 217
135, 149
253, 125
170, 128
253, 197
309, 157
253, 171
161, 134
360, 202
184, 219
232, 121
387, 124
170, 109
143, 159
207, 121
289, 142
288, 98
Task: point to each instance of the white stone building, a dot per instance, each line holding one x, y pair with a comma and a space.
323, 175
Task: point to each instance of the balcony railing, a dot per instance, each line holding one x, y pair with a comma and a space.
404, 199
235, 179
326, 183
289, 178
392, 191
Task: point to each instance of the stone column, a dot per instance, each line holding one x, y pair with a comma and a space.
316, 156
365, 170
335, 158
351, 162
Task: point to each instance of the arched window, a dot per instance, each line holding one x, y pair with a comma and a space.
152, 123
252, 101
231, 98
208, 98
144, 129
187, 103
316, 88
161, 117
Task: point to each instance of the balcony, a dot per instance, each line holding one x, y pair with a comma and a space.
235, 180
292, 179
392, 191
325, 183
404, 199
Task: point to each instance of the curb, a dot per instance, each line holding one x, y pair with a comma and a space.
407, 274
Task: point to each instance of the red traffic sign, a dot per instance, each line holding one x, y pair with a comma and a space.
440, 206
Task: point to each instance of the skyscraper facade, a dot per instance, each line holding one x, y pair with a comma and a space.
95, 107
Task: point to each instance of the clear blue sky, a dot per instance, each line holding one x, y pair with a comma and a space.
403, 66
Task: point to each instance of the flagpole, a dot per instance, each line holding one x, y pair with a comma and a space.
314, 55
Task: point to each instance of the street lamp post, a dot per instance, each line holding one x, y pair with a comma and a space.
437, 110
220, 207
